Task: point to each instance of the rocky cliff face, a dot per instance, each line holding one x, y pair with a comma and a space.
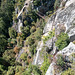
67, 51
63, 18
61, 21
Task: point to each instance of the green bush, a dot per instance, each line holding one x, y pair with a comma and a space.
1, 69
15, 70
19, 41
9, 56
62, 41
37, 34
73, 23
32, 69
40, 23
11, 70
19, 3
25, 22
33, 29
15, 17
45, 65
60, 61
30, 40
50, 35
4, 62
25, 32
12, 33
32, 49
3, 43
69, 72
24, 56
37, 2
11, 42
2, 26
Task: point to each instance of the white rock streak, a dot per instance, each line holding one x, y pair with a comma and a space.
50, 70
40, 44
25, 6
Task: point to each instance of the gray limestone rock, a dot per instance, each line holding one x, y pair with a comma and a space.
62, 18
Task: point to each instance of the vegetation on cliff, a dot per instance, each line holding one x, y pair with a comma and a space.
18, 48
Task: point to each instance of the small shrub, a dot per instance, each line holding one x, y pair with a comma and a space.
45, 65
12, 33
9, 42
40, 23
33, 49
69, 72
25, 23
13, 41
60, 61
1, 69
34, 69
11, 70
15, 18
19, 42
9, 56
37, 3
50, 35
37, 34
24, 56
25, 32
30, 40
33, 29
62, 41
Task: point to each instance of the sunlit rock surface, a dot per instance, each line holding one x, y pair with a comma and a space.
62, 18
69, 2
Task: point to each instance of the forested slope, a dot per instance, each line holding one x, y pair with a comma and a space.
37, 37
